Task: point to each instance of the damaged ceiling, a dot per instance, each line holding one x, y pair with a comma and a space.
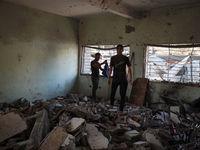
87, 8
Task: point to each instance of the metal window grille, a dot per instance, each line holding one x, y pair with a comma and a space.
106, 51
173, 63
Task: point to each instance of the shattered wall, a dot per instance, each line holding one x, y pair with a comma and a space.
161, 26
184, 92
38, 53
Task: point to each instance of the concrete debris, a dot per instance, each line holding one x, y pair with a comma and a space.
95, 139
133, 123
151, 136
10, 125
69, 143
174, 118
39, 131
76, 126
131, 135
78, 122
54, 139
120, 146
141, 145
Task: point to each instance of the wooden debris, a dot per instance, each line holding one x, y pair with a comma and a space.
138, 91
54, 139
40, 130
10, 125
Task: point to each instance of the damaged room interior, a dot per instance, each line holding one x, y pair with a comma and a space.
99, 75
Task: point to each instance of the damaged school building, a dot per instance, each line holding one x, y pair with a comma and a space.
46, 48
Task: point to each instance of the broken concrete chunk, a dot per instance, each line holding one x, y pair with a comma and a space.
121, 120
82, 103
63, 119
114, 109
174, 118
10, 125
85, 98
76, 126
175, 108
74, 123
84, 112
54, 139
121, 146
40, 130
95, 139
130, 135
141, 145
133, 123
58, 105
151, 135
69, 143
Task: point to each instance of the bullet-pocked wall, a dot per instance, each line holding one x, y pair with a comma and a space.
38, 53
161, 26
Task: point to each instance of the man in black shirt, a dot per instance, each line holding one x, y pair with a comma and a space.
95, 66
119, 63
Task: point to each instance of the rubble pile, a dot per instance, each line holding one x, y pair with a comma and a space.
76, 122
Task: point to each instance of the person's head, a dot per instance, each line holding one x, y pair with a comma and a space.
97, 56
120, 49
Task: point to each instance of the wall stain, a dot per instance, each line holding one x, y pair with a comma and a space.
167, 14
169, 24
129, 29
36, 14
192, 37
39, 94
128, 20
120, 37
58, 86
19, 57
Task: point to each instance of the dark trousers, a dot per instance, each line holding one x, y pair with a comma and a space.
95, 83
123, 88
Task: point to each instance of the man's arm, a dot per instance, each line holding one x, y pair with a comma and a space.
109, 73
130, 73
98, 65
101, 68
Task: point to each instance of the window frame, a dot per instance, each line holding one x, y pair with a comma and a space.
193, 45
92, 46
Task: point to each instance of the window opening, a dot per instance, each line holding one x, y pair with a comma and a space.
106, 51
175, 63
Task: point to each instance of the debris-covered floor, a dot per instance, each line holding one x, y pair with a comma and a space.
76, 122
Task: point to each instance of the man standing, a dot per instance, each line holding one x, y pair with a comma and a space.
95, 66
119, 62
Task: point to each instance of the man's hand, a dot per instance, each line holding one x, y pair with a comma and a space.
131, 81
109, 73
108, 81
104, 62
